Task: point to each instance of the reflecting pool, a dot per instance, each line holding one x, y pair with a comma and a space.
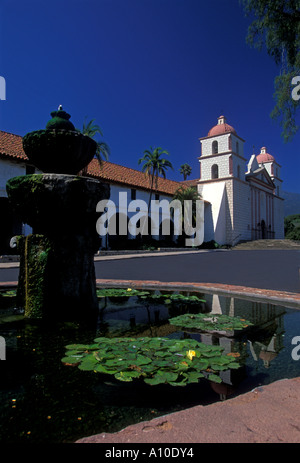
43, 400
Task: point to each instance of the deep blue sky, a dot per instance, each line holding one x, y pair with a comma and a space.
150, 72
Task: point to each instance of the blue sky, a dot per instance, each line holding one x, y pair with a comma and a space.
150, 72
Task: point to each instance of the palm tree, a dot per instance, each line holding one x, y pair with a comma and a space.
154, 165
188, 194
185, 170
91, 130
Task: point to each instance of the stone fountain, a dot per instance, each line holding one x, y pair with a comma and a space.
57, 274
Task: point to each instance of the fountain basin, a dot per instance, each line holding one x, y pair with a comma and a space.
54, 204
59, 151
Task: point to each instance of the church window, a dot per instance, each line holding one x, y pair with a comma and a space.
237, 147
215, 147
238, 172
215, 171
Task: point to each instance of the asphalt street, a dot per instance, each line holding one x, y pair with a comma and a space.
277, 270
265, 269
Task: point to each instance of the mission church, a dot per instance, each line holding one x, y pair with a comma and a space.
242, 199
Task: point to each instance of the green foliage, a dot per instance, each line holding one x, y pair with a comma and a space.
154, 165
186, 193
31, 292
154, 360
210, 322
92, 130
185, 170
277, 27
165, 298
8, 293
169, 298
286, 107
190, 194
292, 227
120, 292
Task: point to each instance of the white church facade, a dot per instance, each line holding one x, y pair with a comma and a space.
242, 199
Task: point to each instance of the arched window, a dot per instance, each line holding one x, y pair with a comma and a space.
215, 171
215, 147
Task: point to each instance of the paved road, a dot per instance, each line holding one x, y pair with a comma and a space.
270, 269
277, 270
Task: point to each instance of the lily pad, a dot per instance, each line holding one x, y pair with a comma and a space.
155, 360
210, 322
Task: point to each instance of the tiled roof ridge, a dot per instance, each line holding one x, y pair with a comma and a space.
137, 171
10, 133
11, 145
119, 174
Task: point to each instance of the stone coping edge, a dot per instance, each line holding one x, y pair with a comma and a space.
243, 292
291, 299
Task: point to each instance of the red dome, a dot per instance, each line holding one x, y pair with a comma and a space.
264, 156
221, 128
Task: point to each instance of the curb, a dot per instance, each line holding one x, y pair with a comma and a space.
243, 292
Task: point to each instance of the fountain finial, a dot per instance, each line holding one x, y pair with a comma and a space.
60, 120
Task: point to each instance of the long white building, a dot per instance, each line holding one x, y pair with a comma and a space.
242, 198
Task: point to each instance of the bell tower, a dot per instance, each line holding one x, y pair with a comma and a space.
222, 153
267, 161
222, 182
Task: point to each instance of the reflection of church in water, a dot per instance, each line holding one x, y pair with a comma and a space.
260, 344
267, 319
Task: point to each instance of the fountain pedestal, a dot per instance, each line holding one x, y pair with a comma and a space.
57, 274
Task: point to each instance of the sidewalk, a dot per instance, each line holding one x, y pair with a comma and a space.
268, 414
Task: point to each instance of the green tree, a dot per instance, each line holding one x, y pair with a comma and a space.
191, 195
292, 227
185, 170
277, 27
92, 130
154, 165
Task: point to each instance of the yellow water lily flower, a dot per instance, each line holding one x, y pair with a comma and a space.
190, 354
129, 289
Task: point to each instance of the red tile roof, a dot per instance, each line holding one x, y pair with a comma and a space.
114, 173
190, 183
11, 147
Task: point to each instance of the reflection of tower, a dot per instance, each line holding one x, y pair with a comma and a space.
266, 353
224, 390
215, 305
231, 307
